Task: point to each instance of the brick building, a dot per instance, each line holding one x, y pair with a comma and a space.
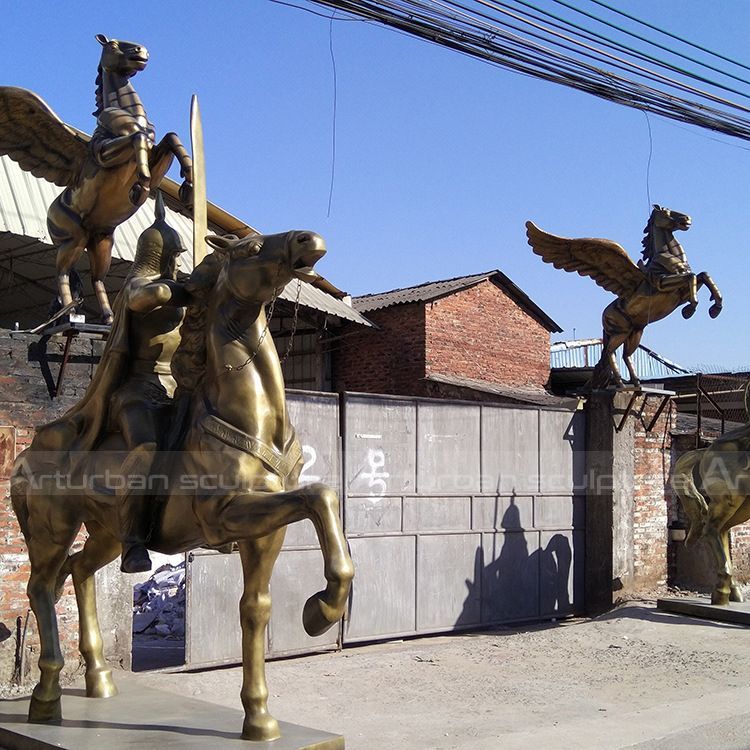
475, 337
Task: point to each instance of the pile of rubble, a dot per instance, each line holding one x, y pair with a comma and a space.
159, 603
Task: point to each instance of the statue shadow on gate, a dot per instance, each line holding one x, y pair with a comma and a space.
517, 584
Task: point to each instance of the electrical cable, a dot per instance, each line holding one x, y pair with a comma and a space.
475, 33
671, 35
655, 44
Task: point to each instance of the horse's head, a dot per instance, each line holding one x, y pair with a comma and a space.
125, 58
258, 267
665, 218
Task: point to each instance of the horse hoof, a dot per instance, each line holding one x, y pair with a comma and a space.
100, 684
735, 595
687, 312
260, 728
720, 598
44, 712
714, 310
317, 616
138, 194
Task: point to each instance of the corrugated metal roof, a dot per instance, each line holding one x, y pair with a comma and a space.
24, 200
584, 354
317, 299
435, 289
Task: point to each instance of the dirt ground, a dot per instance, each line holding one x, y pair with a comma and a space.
633, 678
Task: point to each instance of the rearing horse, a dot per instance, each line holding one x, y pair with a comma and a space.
646, 292
107, 178
234, 480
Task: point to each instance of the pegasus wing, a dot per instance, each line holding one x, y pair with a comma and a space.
37, 139
603, 260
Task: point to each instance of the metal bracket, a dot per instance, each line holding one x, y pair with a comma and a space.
645, 393
69, 330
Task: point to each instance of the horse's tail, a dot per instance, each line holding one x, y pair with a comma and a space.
693, 502
19, 484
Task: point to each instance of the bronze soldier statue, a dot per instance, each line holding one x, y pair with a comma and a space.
153, 305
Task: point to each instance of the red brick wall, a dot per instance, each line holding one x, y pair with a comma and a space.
24, 404
651, 513
482, 334
478, 333
389, 360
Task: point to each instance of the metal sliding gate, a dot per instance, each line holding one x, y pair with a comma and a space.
459, 515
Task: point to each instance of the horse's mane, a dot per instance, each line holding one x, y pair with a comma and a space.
189, 361
99, 92
648, 249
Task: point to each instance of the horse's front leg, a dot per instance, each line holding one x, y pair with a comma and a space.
264, 513
704, 279
171, 144
258, 557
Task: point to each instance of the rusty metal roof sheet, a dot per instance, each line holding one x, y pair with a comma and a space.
435, 289
526, 395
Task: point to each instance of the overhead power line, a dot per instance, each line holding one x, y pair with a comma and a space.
552, 48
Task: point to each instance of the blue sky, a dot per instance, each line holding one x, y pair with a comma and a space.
440, 159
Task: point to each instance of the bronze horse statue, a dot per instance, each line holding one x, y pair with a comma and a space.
107, 178
233, 480
713, 486
648, 291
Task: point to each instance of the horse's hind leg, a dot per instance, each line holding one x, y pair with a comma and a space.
100, 258
718, 544
258, 557
47, 558
100, 548
631, 344
742, 515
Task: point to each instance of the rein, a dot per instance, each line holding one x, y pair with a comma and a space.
264, 332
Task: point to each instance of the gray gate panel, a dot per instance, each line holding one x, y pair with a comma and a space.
554, 512
561, 572
301, 534
561, 451
510, 584
437, 513
372, 515
381, 448
449, 575
512, 513
510, 450
316, 419
297, 575
212, 622
384, 588
448, 448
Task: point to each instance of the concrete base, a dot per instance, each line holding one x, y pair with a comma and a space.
145, 718
734, 612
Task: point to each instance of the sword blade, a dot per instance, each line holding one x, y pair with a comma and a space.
200, 209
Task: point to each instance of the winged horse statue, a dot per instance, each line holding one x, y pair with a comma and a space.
106, 178
647, 291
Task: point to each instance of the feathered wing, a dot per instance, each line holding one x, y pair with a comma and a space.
603, 260
37, 139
